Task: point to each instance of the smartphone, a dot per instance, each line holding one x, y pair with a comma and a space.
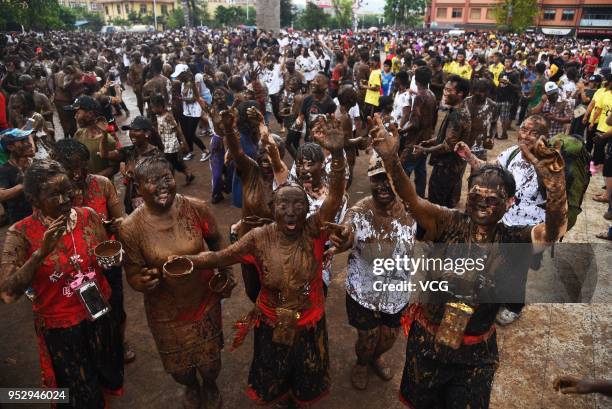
93, 301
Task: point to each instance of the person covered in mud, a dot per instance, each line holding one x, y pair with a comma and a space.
290, 105
98, 193
184, 316
382, 228
348, 115
50, 254
220, 172
291, 356
451, 353
257, 177
484, 113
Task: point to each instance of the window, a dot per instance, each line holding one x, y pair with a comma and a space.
118, 8
94, 6
475, 14
164, 9
106, 10
490, 14
568, 15
457, 13
143, 8
549, 14
441, 12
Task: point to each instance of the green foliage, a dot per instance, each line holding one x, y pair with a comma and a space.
118, 21
176, 17
287, 13
405, 13
36, 15
343, 13
516, 15
313, 18
234, 16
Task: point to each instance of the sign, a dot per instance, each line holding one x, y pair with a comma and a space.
594, 31
557, 31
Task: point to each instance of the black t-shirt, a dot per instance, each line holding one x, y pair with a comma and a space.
18, 207
312, 109
508, 93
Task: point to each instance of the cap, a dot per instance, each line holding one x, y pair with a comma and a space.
551, 88
13, 135
25, 79
179, 69
84, 102
376, 165
139, 123
90, 79
595, 78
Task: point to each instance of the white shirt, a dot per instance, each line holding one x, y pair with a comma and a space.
272, 78
193, 109
401, 100
307, 66
528, 208
352, 113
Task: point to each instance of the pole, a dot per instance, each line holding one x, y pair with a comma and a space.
247, 2
155, 13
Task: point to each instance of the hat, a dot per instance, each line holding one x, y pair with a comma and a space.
179, 69
90, 79
595, 78
13, 135
551, 88
376, 165
84, 102
139, 123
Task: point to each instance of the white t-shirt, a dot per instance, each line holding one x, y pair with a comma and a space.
193, 109
272, 78
401, 100
352, 113
308, 66
528, 208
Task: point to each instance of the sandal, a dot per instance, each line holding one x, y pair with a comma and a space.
601, 198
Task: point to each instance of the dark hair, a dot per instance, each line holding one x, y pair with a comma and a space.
146, 164
345, 93
289, 184
420, 62
156, 65
461, 84
495, 170
39, 173
540, 122
387, 62
481, 84
402, 78
157, 100
385, 102
65, 149
310, 151
540, 68
422, 75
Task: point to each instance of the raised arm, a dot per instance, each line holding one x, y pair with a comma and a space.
228, 129
279, 168
386, 145
328, 133
550, 167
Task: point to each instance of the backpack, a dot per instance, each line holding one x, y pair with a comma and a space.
577, 173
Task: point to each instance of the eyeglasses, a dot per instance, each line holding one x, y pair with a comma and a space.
524, 128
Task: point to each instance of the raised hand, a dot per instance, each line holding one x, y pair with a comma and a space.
385, 143
548, 161
328, 133
52, 235
228, 120
570, 384
341, 236
463, 150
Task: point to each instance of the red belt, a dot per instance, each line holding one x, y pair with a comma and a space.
415, 313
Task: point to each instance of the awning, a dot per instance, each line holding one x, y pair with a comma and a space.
80, 23
556, 31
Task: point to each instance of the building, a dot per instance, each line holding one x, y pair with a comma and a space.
89, 5
121, 9
555, 17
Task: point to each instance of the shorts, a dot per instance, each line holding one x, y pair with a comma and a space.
365, 319
607, 165
300, 370
86, 358
176, 161
429, 383
505, 109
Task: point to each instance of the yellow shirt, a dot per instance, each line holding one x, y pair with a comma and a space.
496, 69
605, 104
464, 71
447, 67
396, 63
372, 97
598, 94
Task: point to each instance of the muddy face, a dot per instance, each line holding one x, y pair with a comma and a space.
290, 210
158, 188
309, 173
139, 137
56, 197
486, 205
76, 169
265, 164
451, 96
527, 133
382, 193
85, 118
21, 149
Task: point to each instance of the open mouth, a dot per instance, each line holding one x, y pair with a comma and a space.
163, 197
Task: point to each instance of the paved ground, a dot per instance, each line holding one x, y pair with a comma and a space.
548, 340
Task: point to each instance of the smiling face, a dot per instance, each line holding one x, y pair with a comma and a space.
157, 188
450, 95
76, 169
382, 193
527, 134
309, 172
486, 204
290, 210
56, 196
139, 137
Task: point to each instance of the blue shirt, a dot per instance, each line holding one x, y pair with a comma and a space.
387, 82
250, 149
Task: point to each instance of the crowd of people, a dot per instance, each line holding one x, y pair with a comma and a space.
405, 99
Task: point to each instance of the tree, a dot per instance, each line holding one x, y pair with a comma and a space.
516, 15
94, 20
33, 15
287, 13
408, 13
313, 17
343, 10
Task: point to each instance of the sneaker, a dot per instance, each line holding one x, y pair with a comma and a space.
359, 377
189, 156
506, 317
205, 156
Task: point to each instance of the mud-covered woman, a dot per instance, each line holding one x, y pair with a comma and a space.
291, 357
183, 313
50, 254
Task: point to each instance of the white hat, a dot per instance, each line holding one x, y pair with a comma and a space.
376, 165
550, 87
180, 68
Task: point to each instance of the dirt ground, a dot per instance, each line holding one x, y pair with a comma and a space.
548, 340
